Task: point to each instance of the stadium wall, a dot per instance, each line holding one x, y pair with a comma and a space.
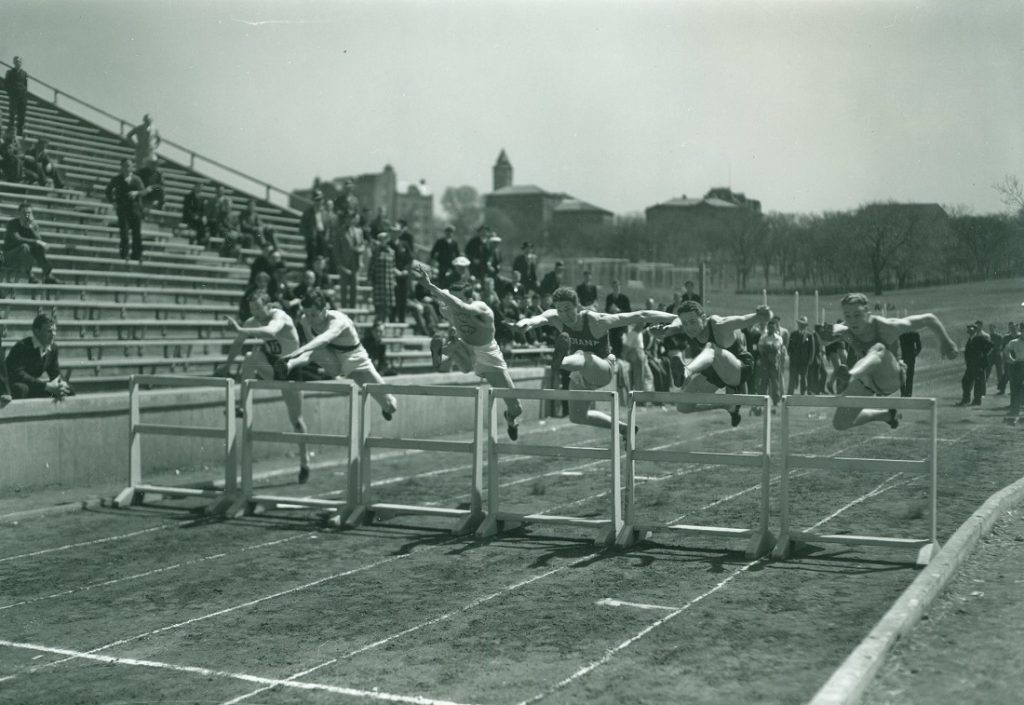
84, 441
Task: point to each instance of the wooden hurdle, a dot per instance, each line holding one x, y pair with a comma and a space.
248, 503
760, 539
136, 489
365, 510
926, 548
498, 520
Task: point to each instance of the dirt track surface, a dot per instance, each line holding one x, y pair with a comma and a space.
158, 605
969, 648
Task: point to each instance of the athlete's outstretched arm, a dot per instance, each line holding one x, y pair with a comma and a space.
443, 295
268, 331
618, 320
544, 319
334, 329
920, 321
725, 324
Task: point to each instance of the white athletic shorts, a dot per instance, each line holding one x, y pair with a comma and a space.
342, 364
487, 357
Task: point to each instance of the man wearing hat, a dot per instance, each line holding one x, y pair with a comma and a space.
802, 350
313, 228
476, 253
459, 275
445, 250
976, 353
492, 259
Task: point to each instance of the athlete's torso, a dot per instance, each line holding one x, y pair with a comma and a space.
347, 340
585, 340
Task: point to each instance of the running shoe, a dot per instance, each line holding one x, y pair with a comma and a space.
894, 418
678, 370
436, 345
303, 474
513, 427
735, 417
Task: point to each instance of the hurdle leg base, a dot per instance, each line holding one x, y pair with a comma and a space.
760, 544
222, 506
629, 536
126, 498
339, 520
238, 508
926, 554
351, 517
492, 526
468, 525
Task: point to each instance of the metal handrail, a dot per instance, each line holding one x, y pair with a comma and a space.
192, 154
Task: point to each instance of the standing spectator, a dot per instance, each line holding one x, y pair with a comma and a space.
492, 257
838, 358
16, 83
145, 138
218, 217
801, 349
380, 221
751, 337
382, 278
616, 302
771, 355
689, 293
124, 191
677, 298
250, 225
634, 352
265, 261
459, 277
46, 168
910, 348
346, 205
33, 364
23, 247
587, 291
406, 236
995, 360
552, 280
376, 347
403, 261
526, 264
476, 252
976, 353
444, 251
1014, 350
195, 215
348, 259
313, 228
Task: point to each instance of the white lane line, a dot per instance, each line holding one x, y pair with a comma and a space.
208, 672
106, 539
155, 571
228, 610
610, 602
611, 653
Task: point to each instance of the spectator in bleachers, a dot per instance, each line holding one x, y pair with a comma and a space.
406, 235
195, 214
403, 261
460, 276
346, 205
12, 156
518, 289
260, 281
5, 387
332, 230
33, 364
552, 280
492, 259
250, 225
616, 302
377, 349
348, 255
145, 138
231, 245
587, 291
689, 293
23, 248
526, 264
16, 83
445, 250
153, 197
218, 214
476, 253
380, 222
382, 278
313, 228
47, 171
424, 309
124, 191
264, 261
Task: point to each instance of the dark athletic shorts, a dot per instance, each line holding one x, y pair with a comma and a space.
746, 373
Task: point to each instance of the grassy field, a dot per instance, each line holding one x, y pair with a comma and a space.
158, 604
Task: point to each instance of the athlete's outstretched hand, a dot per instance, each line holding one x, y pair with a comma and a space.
659, 332
764, 314
949, 349
233, 323
420, 270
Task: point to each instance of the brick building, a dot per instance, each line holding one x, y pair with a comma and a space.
686, 229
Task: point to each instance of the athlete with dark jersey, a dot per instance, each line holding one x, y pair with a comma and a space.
875, 340
718, 354
583, 349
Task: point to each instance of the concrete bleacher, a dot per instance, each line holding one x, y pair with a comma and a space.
165, 314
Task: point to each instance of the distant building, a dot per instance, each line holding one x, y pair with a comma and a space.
413, 202
521, 213
687, 228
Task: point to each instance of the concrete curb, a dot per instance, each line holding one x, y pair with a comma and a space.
847, 684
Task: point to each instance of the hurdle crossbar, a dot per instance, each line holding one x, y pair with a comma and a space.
789, 537
498, 520
760, 539
367, 510
137, 489
249, 502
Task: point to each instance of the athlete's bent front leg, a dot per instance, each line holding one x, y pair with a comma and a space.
501, 379
293, 402
388, 403
847, 418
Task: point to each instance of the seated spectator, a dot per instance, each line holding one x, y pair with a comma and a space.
23, 248
587, 291
12, 157
506, 315
33, 364
231, 245
553, 279
250, 225
218, 214
265, 261
525, 264
377, 349
459, 276
305, 287
47, 171
424, 309
689, 293
195, 214
267, 234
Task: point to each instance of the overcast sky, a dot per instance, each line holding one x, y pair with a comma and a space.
808, 106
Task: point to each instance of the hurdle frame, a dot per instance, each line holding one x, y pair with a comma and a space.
789, 537
760, 539
249, 503
363, 510
497, 520
136, 488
